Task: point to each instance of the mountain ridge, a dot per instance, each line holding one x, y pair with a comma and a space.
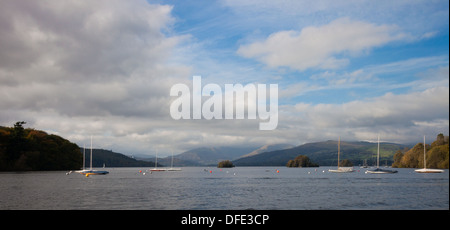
324, 153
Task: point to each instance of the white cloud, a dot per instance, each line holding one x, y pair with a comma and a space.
393, 115
77, 67
321, 47
87, 58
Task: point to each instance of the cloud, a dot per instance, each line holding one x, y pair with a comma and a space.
75, 68
86, 39
324, 47
87, 58
394, 115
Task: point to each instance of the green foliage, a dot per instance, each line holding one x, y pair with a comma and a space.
301, 161
437, 155
225, 164
28, 149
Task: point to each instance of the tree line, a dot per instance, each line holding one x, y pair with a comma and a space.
437, 155
29, 149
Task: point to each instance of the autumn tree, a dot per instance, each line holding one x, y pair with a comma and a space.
225, 164
301, 161
437, 155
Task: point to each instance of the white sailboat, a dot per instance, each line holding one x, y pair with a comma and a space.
171, 166
156, 169
84, 161
341, 169
90, 171
425, 170
378, 170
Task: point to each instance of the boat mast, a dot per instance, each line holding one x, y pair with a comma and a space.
378, 152
171, 164
91, 153
84, 157
339, 149
156, 158
424, 154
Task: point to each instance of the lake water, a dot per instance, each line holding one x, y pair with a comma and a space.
240, 188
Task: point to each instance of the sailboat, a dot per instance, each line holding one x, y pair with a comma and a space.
364, 164
90, 171
171, 166
425, 170
341, 169
378, 170
84, 161
156, 169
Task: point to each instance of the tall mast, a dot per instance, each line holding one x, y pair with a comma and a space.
424, 154
171, 164
84, 157
156, 158
91, 153
339, 149
378, 152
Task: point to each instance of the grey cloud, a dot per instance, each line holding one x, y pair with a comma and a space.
86, 58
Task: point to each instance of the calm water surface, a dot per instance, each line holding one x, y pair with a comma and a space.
237, 188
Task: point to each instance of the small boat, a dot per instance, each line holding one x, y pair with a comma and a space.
425, 170
364, 166
171, 166
341, 169
378, 170
381, 171
93, 172
156, 169
84, 161
90, 171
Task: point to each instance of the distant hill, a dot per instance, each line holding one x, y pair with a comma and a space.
268, 148
212, 155
29, 149
325, 154
113, 159
33, 150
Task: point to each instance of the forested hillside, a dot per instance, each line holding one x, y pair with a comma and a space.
437, 155
29, 149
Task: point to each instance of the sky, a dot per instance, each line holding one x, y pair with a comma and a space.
352, 69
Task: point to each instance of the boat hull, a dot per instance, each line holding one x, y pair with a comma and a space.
429, 170
92, 172
174, 169
342, 170
158, 170
381, 171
